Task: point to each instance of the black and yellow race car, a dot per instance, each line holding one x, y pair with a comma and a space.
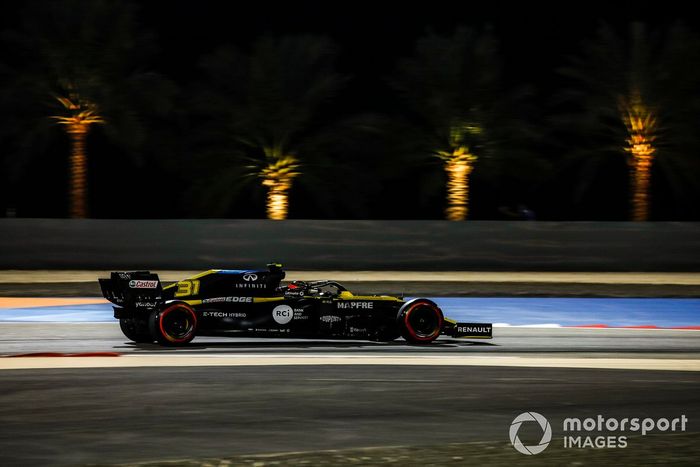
253, 303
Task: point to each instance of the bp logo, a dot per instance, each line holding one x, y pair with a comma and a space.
546, 433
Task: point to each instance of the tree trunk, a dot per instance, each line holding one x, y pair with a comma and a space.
78, 172
277, 200
640, 179
457, 189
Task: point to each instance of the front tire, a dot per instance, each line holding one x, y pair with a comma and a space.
420, 321
175, 325
136, 330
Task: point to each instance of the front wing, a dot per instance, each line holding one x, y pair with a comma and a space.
467, 330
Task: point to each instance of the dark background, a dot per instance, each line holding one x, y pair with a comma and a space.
535, 39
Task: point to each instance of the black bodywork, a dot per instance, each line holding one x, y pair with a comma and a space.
254, 303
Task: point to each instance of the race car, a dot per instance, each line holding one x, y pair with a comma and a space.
253, 303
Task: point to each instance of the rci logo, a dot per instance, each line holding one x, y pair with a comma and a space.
282, 314
546, 433
250, 277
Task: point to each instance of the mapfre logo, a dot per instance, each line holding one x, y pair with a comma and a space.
143, 284
546, 433
250, 277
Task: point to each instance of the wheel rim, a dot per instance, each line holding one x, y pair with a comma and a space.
423, 321
177, 323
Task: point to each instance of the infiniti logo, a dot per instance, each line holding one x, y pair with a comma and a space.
546, 433
250, 277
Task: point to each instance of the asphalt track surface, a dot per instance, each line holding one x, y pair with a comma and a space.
73, 417
224, 397
97, 415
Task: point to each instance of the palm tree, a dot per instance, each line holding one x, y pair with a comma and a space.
451, 86
78, 63
277, 173
634, 95
459, 164
642, 129
265, 108
80, 116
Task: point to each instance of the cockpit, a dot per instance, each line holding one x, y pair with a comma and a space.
323, 289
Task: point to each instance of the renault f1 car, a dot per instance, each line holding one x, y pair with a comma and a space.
254, 303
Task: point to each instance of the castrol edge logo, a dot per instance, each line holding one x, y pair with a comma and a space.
143, 284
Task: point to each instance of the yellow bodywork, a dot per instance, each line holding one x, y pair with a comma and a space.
344, 295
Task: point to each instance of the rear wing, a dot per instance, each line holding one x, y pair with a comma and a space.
136, 289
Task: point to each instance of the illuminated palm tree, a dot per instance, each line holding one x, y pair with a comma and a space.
264, 109
634, 95
81, 115
451, 85
459, 164
277, 174
640, 122
78, 63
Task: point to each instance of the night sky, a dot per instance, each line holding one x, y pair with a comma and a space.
535, 39
372, 34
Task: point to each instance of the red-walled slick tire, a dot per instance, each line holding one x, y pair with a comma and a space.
176, 324
420, 321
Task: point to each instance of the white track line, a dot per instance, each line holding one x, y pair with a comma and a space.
131, 361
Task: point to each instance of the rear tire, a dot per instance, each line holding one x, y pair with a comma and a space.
175, 325
136, 330
420, 321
